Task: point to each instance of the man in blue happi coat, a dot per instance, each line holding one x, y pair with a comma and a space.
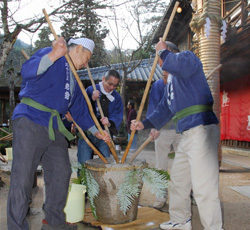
112, 106
49, 90
167, 136
188, 101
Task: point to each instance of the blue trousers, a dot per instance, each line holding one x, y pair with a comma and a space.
85, 152
134, 143
31, 145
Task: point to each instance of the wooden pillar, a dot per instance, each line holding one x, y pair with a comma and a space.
209, 52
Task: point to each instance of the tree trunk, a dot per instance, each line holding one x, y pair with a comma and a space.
11, 100
209, 52
5, 49
7, 45
10, 74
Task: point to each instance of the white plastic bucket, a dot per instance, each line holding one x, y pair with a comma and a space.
75, 206
9, 155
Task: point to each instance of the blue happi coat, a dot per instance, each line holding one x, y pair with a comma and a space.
115, 110
156, 94
187, 86
53, 89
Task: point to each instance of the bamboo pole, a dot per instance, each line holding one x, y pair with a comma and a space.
82, 89
149, 82
145, 143
79, 129
3, 130
25, 55
212, 72
151, 138
3, 159
90, 144
99, 104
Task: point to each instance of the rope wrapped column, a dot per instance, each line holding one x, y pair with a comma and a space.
206, 23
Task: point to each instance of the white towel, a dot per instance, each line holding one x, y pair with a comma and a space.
108, 95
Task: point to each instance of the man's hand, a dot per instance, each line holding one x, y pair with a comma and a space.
59, 49
154, 133
73, 128
104, 137
136, 125
161, 45
68, 116
105, 121
95, 95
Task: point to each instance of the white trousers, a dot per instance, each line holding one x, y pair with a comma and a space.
196, 167
163, 146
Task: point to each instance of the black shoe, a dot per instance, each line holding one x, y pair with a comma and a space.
65, 226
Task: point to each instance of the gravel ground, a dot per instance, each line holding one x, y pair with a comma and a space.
233, 172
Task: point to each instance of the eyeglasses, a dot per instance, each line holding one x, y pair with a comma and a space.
112, 84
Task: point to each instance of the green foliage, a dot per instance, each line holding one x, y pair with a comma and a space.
156, 180
171, 155
144, 54
83, 20
123, 130
92, 189
44, 39
15, 58
86, 178
129, 189
4, 144
2, 133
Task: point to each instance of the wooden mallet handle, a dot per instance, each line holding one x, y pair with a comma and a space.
149, 82
82, 88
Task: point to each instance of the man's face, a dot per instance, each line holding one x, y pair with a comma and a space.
165, 77
160, 62
80, 57
110, 84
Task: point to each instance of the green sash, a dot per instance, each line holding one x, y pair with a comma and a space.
61, 127
87, 132
191, 110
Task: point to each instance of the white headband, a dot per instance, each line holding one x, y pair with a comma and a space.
84, 42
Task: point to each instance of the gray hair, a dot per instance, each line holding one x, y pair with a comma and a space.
172, 47
112, 73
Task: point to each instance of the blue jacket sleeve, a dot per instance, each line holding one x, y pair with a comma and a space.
161, 114
154, 99
115, 109
30, 67
182, 65
89, 91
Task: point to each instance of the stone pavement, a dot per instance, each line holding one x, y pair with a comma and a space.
234, 180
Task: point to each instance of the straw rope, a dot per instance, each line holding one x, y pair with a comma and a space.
116, 169
199, 19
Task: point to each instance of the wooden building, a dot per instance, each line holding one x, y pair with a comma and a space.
235, 60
